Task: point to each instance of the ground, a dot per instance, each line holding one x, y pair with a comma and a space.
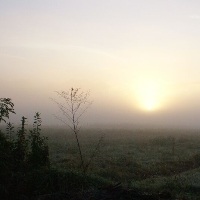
154, 161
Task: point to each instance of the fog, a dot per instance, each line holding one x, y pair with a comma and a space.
138, 59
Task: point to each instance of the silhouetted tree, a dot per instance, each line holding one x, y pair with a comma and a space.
6, 107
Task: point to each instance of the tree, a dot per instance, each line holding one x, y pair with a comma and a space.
75, 104
6, 107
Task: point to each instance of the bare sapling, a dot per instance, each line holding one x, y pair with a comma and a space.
75, 104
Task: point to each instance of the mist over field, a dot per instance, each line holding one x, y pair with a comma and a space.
100, 99
139, 59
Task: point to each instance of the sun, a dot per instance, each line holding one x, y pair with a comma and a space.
149, 95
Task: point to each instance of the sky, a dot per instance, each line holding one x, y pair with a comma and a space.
138, 58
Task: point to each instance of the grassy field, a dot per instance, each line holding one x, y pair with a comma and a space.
128, 164
154, 160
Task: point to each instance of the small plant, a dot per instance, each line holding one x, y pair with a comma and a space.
9, 131
21, 145
76, 103
39, 153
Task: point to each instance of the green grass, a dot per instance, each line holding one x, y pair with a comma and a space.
137, 158
143, 161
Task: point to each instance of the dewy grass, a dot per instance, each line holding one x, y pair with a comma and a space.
129, 155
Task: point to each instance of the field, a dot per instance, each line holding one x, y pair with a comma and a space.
151, 160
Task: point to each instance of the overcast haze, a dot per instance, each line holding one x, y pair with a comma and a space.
139, 58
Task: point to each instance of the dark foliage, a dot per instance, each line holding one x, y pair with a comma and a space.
20, 157
10, 131
6, 107
21, 147
39, 152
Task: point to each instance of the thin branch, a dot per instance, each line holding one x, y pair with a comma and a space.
60, 119
60, 105
82, 112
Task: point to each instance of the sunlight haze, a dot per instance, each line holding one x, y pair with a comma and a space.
139, 59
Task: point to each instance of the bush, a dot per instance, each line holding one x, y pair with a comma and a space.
39, 152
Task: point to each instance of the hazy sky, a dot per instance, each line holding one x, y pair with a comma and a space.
139, 58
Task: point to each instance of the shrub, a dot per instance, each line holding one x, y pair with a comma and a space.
39, 152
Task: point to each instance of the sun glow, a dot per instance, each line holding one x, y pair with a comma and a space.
149, 95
